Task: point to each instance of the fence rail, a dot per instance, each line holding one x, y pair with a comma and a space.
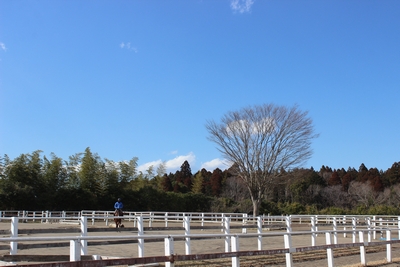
362, 229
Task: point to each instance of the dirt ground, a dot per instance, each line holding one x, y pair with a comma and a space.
130, 250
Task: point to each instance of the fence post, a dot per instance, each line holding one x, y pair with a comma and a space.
335, 237
313, 230
374, 226
227, 231
244, 221
259, 231
169, 250
74, 249
186, 220
166, 219
14, 233
24, 214
329, 251
235, 247
140, 233
369, 228
354, 225
398, 225
93, 214
106, 215
83, 233
288, 224
362, 249
344, 228
288, 243
388, 246
151, 216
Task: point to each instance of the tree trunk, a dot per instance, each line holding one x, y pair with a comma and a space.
256, 206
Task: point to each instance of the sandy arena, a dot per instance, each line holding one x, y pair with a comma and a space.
130, 250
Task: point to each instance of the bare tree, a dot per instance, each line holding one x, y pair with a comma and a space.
395, 190
334, 196
234, 188
260, 141
365, 194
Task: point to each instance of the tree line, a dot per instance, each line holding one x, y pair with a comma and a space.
86, 181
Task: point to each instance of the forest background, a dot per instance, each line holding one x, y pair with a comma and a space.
86, 181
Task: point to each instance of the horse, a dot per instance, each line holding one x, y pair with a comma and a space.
118, 221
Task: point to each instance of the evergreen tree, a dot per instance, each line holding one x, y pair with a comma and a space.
334, 179
362, 173
392, 175
178, 183
216, 182
167, 183
55, 178
198, 184
186, 175
127, 172
90, 181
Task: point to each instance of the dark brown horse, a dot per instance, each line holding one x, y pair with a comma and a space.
118, 221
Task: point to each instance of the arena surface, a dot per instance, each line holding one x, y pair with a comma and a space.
343, 257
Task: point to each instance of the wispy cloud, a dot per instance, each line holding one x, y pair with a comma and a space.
177, 162
128, 46
171, 165
3, 46
215, 163
142, 168
241, 6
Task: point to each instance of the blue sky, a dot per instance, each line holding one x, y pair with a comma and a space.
141, 78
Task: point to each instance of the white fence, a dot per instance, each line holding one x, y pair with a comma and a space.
362, 229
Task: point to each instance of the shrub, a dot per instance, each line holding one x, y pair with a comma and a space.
292, 208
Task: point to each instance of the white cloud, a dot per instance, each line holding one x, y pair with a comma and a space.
215, 163
128, 46
177, 162
171, 165
146, 166
241, 6
3, 46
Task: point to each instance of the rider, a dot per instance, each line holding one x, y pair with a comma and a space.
119, 206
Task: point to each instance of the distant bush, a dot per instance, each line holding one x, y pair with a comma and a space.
269, 207
292, 208
383, 210
333, 211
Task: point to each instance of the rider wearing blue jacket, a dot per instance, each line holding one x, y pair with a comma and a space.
119, 206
